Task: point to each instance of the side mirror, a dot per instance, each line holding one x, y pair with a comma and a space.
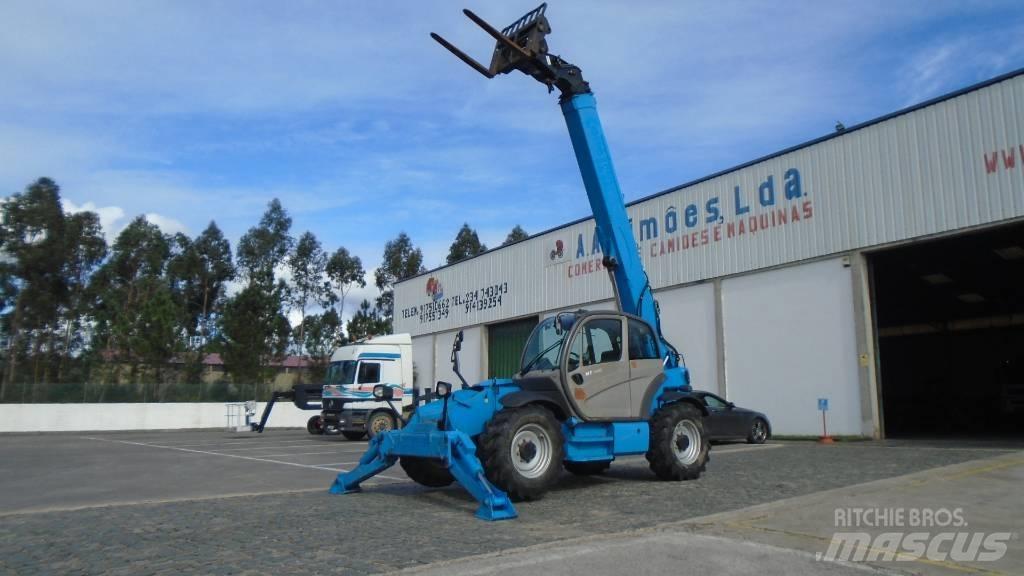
730, 405
558, 324
383, 392
456, 347
442, 390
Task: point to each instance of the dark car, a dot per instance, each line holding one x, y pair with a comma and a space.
727, 421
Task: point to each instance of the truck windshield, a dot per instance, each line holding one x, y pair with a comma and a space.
545, 344
343, 372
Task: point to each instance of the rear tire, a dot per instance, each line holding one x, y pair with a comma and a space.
353, 435
426, 471
379, 422
315, 425
679, 447
758, 432
587, 468
522, 450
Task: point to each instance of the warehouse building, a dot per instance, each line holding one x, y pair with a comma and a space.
880, 267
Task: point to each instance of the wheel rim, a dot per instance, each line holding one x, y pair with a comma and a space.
531, 451
380, 424
759, 431
686, 442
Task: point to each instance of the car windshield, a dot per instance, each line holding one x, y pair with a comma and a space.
545, 344
343, 372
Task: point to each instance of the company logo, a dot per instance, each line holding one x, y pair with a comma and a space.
558, 251
434, 289
911, 534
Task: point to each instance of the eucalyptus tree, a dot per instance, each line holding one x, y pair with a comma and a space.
367, 321
401, 260
253, 329
344, 272
466, 245
308, 265
31, 239
515, 235
137, 320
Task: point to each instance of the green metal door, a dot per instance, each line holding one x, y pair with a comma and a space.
505, 343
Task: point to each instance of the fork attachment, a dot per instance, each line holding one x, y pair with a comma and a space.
522, 46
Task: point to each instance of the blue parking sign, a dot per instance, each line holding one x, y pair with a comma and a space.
823, 404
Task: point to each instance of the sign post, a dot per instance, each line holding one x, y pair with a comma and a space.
823, 408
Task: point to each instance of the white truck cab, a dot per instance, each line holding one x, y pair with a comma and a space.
348, 405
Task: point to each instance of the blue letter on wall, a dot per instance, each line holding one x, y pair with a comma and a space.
740, 208
793, 184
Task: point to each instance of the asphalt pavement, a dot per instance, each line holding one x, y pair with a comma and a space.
211, 502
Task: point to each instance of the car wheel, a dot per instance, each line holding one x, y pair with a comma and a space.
758, 432
315, 425
379, 422
522, 451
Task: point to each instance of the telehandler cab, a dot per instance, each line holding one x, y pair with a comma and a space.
592, 385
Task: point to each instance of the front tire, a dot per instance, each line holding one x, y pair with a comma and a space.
426, 471
522, 451
315, 425
758, 432
679, 447
378, 423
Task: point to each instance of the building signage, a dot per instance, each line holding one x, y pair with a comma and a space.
777, 201
440, 307
1005, 159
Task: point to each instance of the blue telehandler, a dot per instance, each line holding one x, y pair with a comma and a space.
592, 385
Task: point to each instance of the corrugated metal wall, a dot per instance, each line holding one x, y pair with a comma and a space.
954, 164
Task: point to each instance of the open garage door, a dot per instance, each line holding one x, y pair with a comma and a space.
950, 327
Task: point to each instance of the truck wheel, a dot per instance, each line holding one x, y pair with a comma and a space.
678, 448
522, 451
758, 432
587, 468
353, 435
428, 472
315, 425
379, 422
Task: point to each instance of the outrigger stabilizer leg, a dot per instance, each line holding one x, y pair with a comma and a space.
454, 449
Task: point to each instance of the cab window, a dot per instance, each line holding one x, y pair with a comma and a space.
642, 345
369, 373
599, 341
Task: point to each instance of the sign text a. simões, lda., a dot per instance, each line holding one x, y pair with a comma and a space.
775, 202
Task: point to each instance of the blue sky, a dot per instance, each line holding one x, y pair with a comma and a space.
189, 111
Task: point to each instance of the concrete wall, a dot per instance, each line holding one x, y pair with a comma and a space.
163, 416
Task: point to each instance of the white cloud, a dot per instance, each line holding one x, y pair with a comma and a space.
167, 225
109, 216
